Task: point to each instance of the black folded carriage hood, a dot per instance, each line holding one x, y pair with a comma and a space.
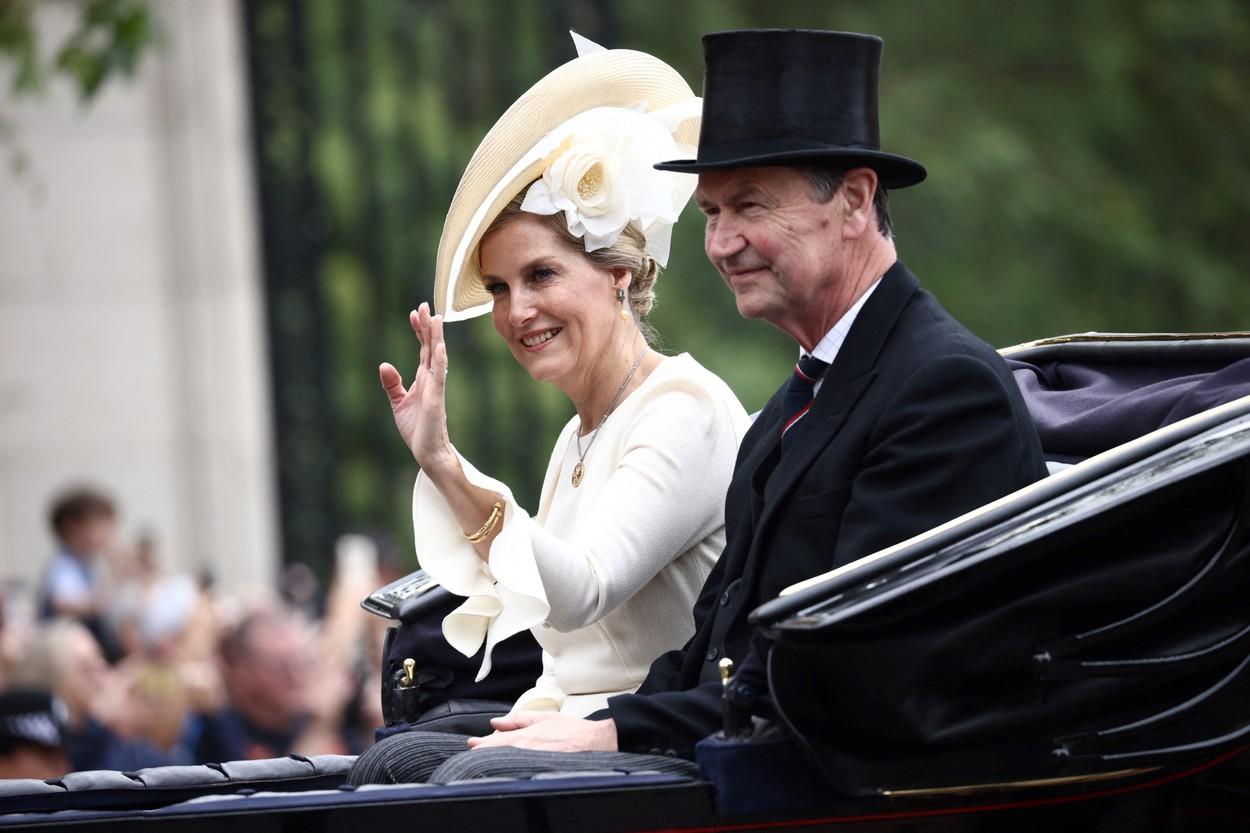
1093, 627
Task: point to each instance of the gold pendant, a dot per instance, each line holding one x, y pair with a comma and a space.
578, 471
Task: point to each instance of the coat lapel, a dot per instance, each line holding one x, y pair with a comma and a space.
746, 489
757, 462
844, 383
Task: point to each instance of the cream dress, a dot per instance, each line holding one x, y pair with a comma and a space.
605, 575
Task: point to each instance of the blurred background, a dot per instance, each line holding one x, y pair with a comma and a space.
215, 214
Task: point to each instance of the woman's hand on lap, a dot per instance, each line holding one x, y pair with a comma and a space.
551, 731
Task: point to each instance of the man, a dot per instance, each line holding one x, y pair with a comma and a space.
266, 664
897, 418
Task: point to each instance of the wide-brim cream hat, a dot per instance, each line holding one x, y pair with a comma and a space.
533, 132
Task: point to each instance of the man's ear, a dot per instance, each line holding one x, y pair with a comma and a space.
859, 186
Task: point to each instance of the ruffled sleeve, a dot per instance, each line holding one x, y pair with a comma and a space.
504, 596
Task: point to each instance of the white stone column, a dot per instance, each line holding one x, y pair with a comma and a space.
132, 338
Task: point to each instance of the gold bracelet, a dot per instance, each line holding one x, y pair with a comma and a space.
496, 512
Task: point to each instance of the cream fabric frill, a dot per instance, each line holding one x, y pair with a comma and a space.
503, 596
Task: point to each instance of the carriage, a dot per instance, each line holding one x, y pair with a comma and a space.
1075, 654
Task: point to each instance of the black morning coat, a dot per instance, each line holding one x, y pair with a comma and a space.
916, 422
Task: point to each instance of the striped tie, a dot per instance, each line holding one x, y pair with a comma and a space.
797, 397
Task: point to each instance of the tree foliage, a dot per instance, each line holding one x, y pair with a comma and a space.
1088, 167
109, 38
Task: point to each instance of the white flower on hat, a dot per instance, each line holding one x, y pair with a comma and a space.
600, 175
584, 181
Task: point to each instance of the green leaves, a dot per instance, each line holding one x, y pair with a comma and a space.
109, 38
17, 43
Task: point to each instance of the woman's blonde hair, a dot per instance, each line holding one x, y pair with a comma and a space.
628, 252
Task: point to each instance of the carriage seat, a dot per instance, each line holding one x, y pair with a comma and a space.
158, 786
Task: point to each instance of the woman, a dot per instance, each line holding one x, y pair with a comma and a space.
630, 519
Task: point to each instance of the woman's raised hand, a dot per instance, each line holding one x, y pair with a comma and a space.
420, 411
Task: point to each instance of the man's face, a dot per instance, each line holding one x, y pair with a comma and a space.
268, 684
776, 247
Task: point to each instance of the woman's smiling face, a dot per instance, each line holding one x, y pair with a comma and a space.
555, 308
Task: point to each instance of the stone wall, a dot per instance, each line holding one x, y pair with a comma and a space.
132, 343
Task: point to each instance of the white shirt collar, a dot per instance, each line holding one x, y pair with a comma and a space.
827, 348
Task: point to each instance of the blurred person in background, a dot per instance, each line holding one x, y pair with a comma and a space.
134, 589
106, 716
32, 725
164, 624
167, 627
162, 695
17, 624
271, 675
264, 666
6, 645
351, 644
84, 522
201, 635
291, 683
300, 590
197, 652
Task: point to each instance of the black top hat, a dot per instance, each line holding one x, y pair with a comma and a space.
793, 96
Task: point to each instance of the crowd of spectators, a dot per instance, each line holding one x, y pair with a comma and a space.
115, 661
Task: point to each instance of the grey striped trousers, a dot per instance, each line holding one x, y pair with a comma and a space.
439, 758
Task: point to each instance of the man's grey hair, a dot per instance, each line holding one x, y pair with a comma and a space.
825, 182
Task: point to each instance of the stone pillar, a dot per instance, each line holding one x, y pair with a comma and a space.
132, 342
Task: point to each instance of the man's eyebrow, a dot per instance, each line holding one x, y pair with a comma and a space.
745, 191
